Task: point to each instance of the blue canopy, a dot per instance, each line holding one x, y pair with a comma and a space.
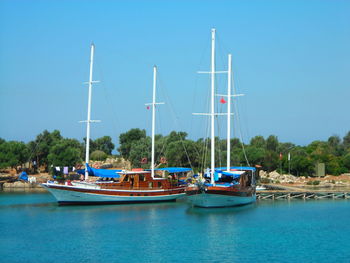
239, 168
173, 169
23, 176
100, 172
219, 172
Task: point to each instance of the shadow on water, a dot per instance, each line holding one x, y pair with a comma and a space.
118, 207
199, 211
54, 207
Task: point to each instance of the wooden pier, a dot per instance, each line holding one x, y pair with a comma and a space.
277, 195
281, 193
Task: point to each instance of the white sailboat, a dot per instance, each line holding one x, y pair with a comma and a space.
131, 187
229, 186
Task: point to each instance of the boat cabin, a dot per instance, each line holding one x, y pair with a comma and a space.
139, 180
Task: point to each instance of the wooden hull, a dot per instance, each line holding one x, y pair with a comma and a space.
212, 197
66, 194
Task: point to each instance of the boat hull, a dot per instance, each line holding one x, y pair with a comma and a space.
217, 198
68, 195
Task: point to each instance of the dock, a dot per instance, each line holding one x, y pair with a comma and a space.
289, 193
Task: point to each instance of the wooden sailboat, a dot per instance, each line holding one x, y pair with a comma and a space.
130, 187
228, 186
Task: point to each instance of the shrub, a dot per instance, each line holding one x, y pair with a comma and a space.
316, 182
98, 155
265, 181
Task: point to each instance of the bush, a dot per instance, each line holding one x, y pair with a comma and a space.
265, 181
98, 155
316, 182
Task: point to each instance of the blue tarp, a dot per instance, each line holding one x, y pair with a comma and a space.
239, 168
173, 169
220, 184
100, 172
23, 176
219, 171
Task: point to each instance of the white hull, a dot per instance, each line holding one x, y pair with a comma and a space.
217, 200
68, 196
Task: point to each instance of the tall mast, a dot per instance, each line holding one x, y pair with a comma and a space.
153, 104
153, 117
212, 112
229, 70
88, 121
87, 151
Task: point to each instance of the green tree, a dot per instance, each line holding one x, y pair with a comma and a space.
66, 152
42, 145
176, 136
271, 160
346, 140
13, 154
92, 146
104, 144
346, 161
183, 154
127, 139
140, 149
334, 144
258, 141
300, 163
272, 143
255, 155
98, 155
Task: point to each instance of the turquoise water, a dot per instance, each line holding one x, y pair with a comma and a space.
34, 229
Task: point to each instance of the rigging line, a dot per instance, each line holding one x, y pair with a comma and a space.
176, 120
221, 51
205, 146
203, 56
206, 128
34, 150
163, 144
239, 127
115, 119
219, 132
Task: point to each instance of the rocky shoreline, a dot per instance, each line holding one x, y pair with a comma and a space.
9, 182
328, 181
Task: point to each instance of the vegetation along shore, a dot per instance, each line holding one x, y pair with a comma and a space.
280, 162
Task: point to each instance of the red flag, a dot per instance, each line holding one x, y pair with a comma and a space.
144, 160
147, 107
222, 100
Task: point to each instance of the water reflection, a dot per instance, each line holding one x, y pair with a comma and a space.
199, 211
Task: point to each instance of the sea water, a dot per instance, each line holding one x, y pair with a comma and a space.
33, 228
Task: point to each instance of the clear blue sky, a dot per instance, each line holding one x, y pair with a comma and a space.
291, 59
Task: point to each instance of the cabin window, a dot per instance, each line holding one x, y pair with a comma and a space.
138, 194
131, 194
126, 178
150, 184
159, 184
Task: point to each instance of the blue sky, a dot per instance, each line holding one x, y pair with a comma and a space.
291, 59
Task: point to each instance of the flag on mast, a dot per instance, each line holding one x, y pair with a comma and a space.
222, 100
